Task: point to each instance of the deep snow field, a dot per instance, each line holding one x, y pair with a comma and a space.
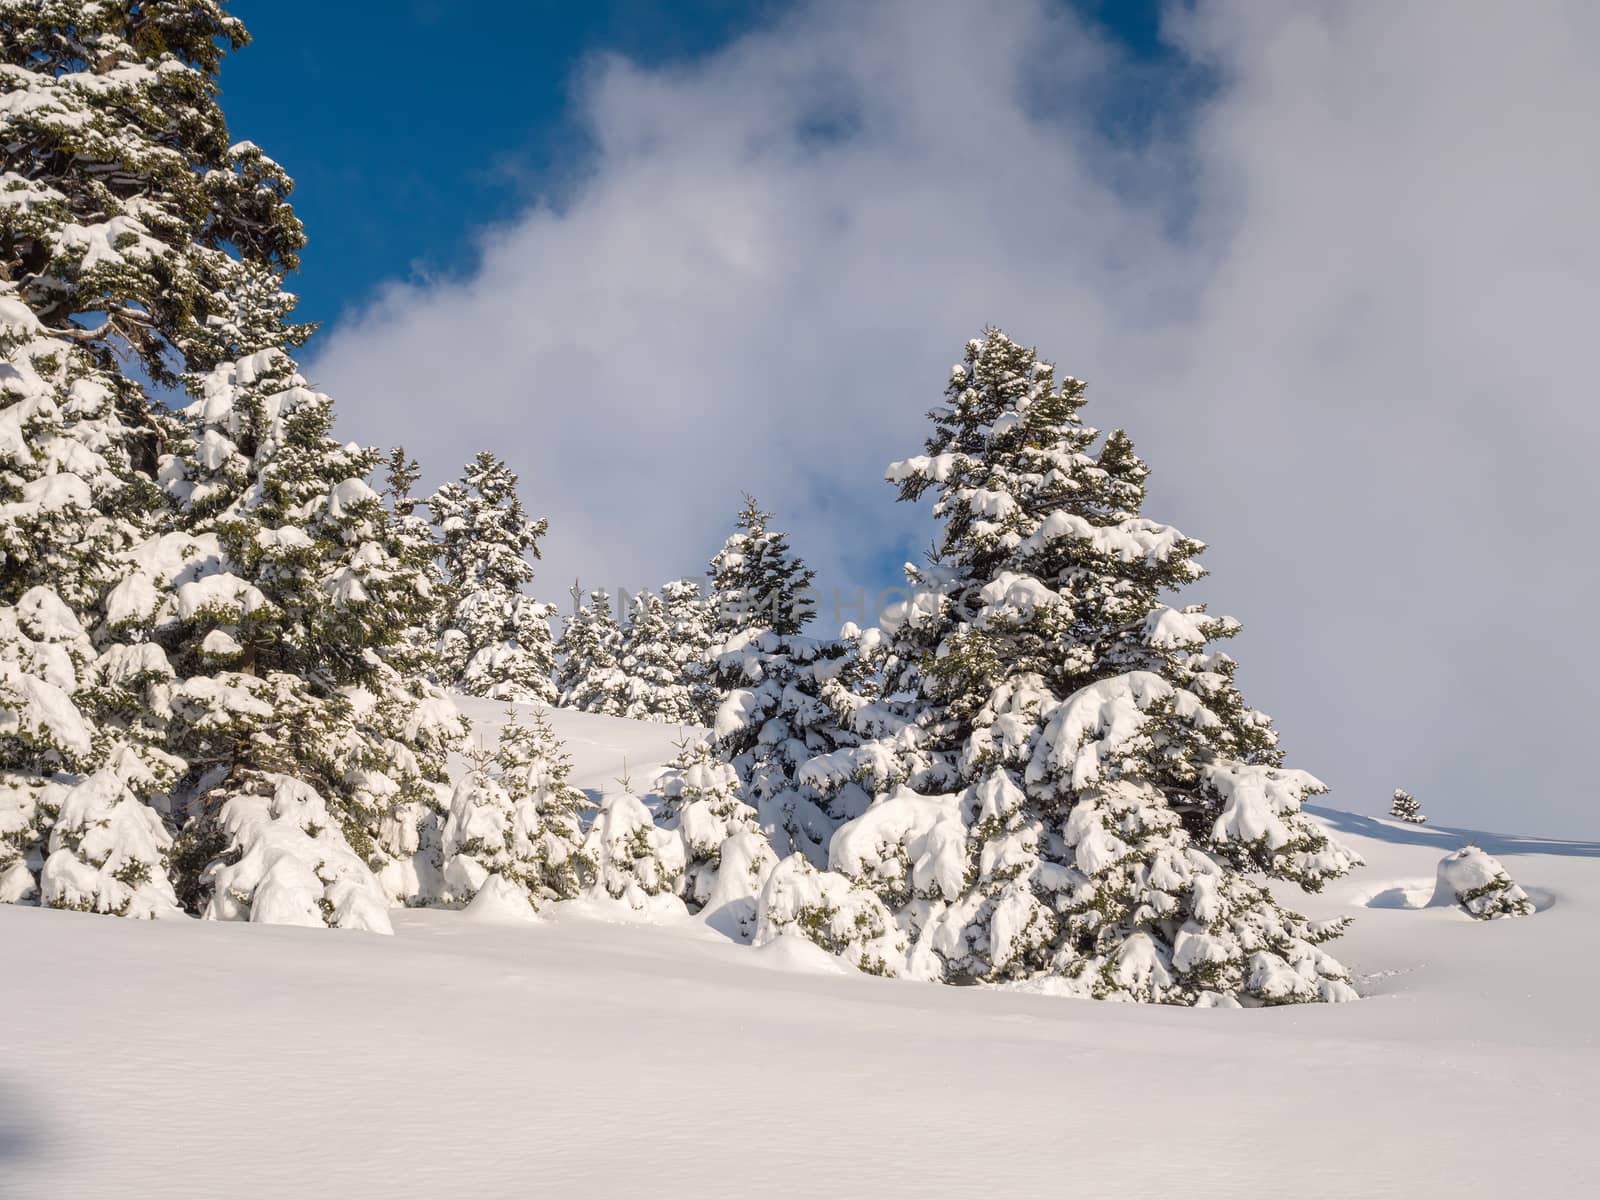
592, 1055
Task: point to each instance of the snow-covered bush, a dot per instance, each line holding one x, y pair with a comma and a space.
1479, 885
108, 853
499, 901
1404, 807
843, 918
482, 838
284, 862
634, 860
726, 858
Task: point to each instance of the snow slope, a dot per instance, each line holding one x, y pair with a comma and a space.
589, 1055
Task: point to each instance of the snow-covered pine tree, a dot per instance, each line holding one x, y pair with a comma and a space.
294, 584
589, 677
533, 770
494, 640
757, 582
1404, 807
515, 816
783, 697
1089, 798
635, 860
727, 859
413, 542
129, 227
689, 615
655, 688
486, 835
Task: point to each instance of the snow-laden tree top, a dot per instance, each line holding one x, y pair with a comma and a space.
127, 215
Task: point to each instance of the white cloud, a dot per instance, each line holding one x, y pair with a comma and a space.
1344, 313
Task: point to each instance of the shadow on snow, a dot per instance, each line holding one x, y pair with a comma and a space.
1445, 839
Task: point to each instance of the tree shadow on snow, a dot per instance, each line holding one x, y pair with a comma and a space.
21, 1136
1445, 838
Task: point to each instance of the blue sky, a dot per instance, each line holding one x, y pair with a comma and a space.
402, 155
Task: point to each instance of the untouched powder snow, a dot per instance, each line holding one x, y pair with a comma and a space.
600, 1053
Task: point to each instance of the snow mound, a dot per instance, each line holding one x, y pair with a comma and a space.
797, 954
499, 901
1407, 894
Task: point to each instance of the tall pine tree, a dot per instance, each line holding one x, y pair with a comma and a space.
130, 227
494, 641
243, 679
1075, 786
689, 614
782, 695
652, 664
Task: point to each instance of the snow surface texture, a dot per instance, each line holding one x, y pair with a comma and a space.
597, 1027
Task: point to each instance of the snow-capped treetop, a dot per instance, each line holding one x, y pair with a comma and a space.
411, 542
486, 534
756, 582
132, 217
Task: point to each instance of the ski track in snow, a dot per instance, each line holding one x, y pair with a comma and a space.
590, 1054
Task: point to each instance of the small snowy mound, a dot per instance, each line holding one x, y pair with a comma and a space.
1409, 894
797, 954
499, 901
1480, 886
